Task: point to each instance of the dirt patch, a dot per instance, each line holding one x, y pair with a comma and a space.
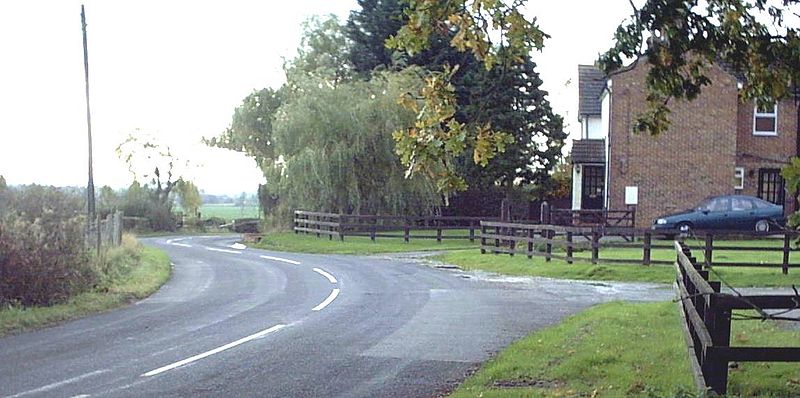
527, 383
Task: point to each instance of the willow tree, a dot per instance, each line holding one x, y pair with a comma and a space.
336, 151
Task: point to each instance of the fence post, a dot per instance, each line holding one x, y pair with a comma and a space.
341, 230
595, 246
531, 248
718, 323
472, 230
646, 247
785, 265
569, 247
548, 253
709, 251
512, 243
438, 231
294, 221
483, 239
374, 230
317, 219
496, 239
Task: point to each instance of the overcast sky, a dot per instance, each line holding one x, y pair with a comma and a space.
178, 69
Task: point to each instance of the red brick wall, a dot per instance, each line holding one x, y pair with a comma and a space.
694, 159
755, 152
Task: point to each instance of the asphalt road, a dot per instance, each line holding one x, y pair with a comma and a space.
245, 322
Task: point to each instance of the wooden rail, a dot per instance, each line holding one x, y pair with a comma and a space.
379, 226
508, 236
706, 315
609, 218
511, 238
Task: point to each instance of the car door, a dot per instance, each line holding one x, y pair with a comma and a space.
715, 215
742, 215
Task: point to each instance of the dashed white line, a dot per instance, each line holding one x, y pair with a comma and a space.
60, 383
180, 244
214, 351
238, 246
327, 301
214, 249
280, 259
325, 274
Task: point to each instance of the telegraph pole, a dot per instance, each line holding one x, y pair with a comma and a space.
91, 212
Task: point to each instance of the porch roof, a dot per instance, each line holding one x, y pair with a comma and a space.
588, 151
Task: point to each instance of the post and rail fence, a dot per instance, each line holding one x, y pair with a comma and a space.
706, 315
377, 226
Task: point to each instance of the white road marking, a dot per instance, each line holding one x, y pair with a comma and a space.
327, 301
169, 241
325, 274
281, 259
82, 396
214, 351
238, 246
60, 383
214, 249
180, 244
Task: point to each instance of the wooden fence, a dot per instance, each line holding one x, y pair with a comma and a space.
505, 237
375, 226
706, 324
608, 218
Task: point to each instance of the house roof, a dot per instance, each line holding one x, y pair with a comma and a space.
588, 151
591, 82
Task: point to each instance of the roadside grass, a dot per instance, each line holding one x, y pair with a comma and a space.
621, 350
291, 242
137, 272
228, 211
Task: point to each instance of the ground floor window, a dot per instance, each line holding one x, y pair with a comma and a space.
771, 186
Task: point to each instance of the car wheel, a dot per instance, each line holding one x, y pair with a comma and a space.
762, 226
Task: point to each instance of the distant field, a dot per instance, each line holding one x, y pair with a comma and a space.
228, 212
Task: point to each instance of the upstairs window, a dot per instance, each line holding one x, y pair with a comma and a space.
765, 120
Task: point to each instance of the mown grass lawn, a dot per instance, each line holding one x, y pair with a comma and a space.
623, 350
139, 276
309, 243
228, 211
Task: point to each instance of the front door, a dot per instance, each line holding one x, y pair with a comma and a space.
593, 189
771, 186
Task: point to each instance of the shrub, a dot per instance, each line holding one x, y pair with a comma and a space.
43, 262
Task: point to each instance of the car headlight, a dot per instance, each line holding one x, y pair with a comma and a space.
661, 221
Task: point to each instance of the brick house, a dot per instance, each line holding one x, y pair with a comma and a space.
715, 145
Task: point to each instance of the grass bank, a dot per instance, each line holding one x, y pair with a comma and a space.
131, 272
624, 350
291, 242
537, 266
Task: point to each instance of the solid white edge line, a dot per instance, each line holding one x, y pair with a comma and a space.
60, 383
281, 259
180, 244
214, 351
325, 274
327, 301
214, 249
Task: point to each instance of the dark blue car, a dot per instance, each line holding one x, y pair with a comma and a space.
730, 212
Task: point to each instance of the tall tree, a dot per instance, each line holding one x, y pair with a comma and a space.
507, 98
512, 101
189, 197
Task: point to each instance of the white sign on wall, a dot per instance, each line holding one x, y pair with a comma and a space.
631, 195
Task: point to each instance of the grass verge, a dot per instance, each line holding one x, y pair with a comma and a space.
622, 350
291, 242
136, 272
537, 266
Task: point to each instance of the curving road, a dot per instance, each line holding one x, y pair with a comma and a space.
244, 322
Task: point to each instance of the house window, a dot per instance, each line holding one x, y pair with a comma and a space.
771, 186
738, 178
765, 120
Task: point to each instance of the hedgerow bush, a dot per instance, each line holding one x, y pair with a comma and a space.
43, 259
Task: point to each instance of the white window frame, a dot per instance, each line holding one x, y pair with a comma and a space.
773, 114
738, 178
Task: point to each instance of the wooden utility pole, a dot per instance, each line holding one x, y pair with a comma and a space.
92, 214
